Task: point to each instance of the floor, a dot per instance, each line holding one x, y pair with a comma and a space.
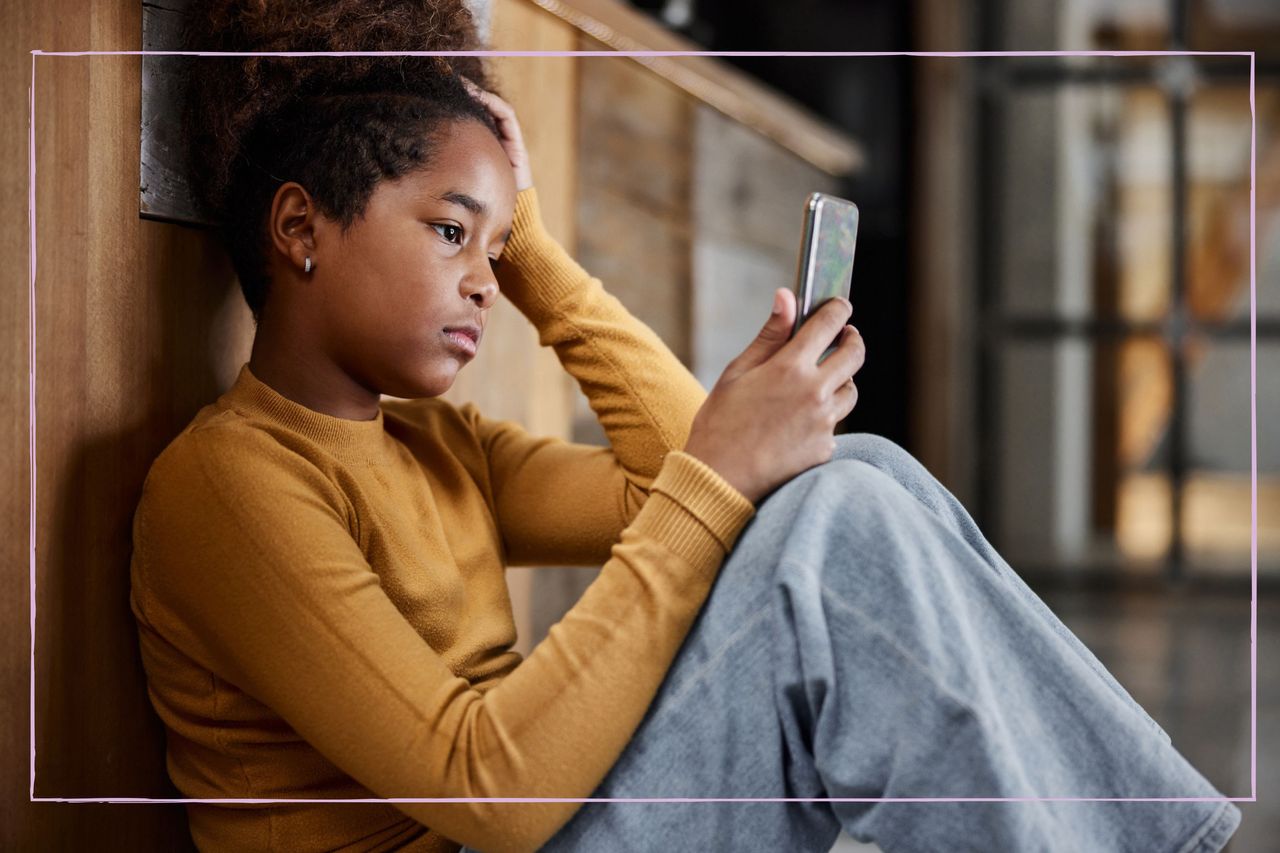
1185, 659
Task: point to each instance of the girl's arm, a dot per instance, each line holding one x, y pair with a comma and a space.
245, 560
644, 397
559, 502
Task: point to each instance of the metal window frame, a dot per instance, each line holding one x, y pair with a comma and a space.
997, 80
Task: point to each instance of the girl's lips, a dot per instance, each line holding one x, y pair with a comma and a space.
461, 341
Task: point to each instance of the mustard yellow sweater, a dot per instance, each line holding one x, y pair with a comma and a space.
322, 607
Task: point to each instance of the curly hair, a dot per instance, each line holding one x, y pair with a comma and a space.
336, 125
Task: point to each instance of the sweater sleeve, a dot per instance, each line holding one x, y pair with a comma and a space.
555, 502
644, 397
245, 555
558, 502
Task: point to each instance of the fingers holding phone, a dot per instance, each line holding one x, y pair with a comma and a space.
837, 352
846, 353
768, 419
773, 412
822, 330
839, 368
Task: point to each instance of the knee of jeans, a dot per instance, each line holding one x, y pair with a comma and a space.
850, 488
845, 506
869, 447
884, 454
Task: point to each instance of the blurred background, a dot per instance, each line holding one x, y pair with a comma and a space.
1053, 280
1052, 277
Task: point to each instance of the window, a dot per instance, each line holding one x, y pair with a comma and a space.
1113, 213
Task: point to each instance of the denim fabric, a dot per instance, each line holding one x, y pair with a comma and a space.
864, 640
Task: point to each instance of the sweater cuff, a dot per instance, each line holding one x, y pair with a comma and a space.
536, 272
693, 510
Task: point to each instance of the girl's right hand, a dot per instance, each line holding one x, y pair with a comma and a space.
772, 414
509, 126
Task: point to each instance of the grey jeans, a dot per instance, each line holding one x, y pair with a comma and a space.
863, 640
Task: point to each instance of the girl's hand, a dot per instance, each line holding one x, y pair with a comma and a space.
774, 410
509, 127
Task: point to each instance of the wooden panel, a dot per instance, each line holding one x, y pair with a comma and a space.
635, 154
130, 343
737, 94
17, 818
943, 288
748, 214
132, 336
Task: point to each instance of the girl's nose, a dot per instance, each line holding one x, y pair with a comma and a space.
482, 287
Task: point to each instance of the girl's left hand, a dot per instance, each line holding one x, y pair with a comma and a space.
512, 141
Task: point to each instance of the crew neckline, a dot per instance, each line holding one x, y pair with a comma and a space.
344, 436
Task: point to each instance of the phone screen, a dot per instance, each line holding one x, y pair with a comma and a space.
826, 259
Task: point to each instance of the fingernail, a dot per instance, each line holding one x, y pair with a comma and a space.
777, 302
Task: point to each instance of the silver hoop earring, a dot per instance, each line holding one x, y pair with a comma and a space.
307, 268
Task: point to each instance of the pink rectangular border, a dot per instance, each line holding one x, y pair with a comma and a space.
1253, 411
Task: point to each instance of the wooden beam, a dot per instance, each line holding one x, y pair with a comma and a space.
714, 82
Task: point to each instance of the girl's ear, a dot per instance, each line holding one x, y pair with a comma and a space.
292, 223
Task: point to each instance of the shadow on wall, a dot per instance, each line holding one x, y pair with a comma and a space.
97, 734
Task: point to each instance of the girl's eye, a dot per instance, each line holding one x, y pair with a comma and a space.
494, 263
451, 228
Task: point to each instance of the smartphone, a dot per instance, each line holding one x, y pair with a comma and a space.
827, 244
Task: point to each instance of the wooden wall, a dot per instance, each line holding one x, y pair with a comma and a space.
138, 324
131, 337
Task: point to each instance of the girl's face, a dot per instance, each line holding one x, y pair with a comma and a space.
418, 262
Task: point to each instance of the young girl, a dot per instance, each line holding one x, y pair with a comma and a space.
318, 575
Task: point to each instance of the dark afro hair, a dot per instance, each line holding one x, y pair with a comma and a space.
336, 125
